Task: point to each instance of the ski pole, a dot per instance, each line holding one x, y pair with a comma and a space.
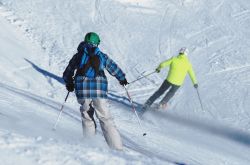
200, 99
142, 77
54, 128
201, 103
133, 108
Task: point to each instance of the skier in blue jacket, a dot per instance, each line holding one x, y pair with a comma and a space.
91, 87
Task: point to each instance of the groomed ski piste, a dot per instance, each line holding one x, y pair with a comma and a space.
39, 37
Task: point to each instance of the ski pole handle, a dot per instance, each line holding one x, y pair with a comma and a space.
142, 77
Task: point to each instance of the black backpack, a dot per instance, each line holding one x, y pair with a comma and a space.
91, 67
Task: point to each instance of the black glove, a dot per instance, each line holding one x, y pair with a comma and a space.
196, 85
124, 82
70, 87
157, 70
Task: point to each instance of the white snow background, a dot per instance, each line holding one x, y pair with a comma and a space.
38, 38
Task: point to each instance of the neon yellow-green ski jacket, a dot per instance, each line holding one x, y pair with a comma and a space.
179, 67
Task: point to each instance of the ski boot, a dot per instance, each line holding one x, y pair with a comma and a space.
162, 106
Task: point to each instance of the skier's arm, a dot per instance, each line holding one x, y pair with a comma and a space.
165, 63
69, 71
192, 75
114, 69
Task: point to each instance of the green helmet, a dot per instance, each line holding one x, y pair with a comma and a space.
92, 38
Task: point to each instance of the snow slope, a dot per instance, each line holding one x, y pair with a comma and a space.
27, 118
39, 37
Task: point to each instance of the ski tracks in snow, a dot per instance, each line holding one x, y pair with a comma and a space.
130, 144
41, 100
170, 27
146, 146
13, 19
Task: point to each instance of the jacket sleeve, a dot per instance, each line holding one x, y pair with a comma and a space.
70, 69
113, 68
192, 74
165, 63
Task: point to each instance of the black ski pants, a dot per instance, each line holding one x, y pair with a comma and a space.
165, 86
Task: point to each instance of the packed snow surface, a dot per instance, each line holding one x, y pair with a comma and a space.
38, 38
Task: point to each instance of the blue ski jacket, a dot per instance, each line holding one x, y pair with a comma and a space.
87, 87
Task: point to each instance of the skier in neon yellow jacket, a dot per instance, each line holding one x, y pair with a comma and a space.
179, 68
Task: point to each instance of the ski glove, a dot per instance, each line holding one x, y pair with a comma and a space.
158, 70
70, 87
124, 82
196, 85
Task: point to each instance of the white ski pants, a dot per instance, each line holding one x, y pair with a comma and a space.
99, 106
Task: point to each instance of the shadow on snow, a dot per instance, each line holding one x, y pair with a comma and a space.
232, 134
111, 96
219, 130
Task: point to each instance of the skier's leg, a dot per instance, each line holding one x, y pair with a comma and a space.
165, 85
110, 132
169, 94
88, 122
